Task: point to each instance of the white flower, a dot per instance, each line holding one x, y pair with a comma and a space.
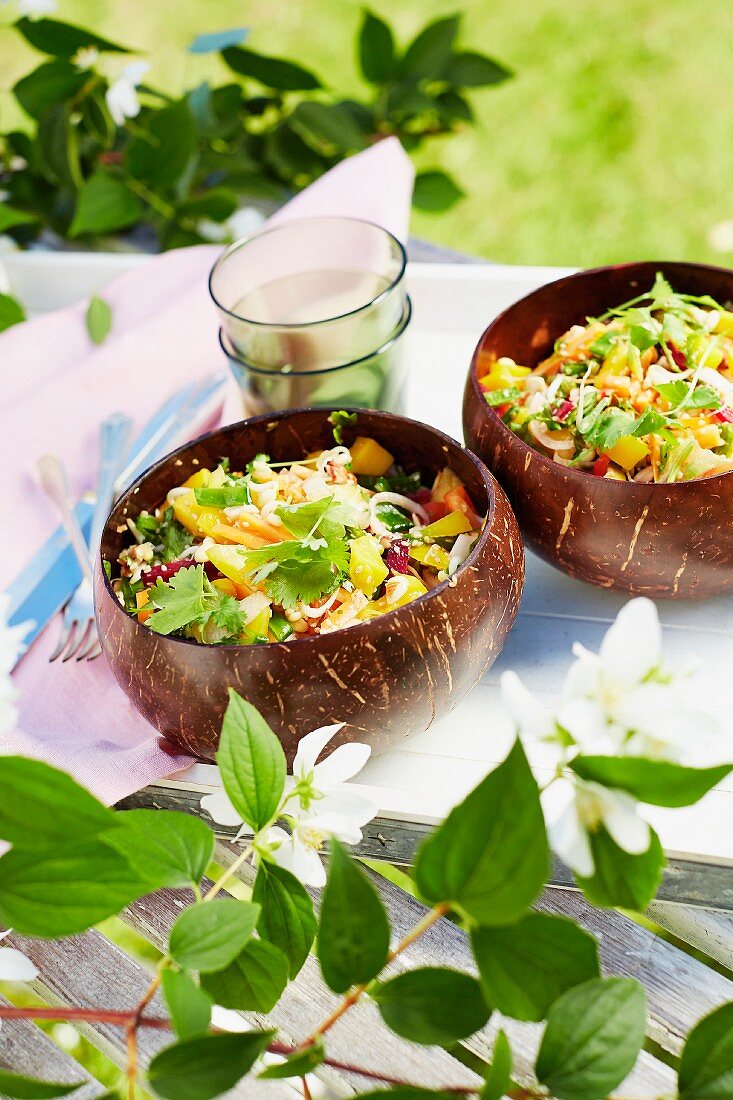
11, 646
531, 719
578, 808
121, 96
35, 9
86, 57
14, 965
241, 223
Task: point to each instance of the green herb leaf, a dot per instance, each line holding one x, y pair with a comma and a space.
297, 1065
179, 601
188, 1004
30, 1088
58, 144
524, 967
339, 420
376, 51
327, 126
168, 848
174, 537
11, 312
610, 426
468, 69
104, 205
204, 1067
254, 981
42, 806
286, 913
706, 1065
681, 394
650, 421
621, 879
428, 54
252, 763
98, 319
209, 937
52, 82
9, 218
62, 39
593, 1037
291, 571
432, 1005
641, 337
160, 156
659, 782
435, 192
284, 76
499, 1073
490, 855
353, 940
65, 890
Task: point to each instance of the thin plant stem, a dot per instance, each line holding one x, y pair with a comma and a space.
229, 873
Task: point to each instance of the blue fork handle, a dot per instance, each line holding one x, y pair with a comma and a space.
113, 435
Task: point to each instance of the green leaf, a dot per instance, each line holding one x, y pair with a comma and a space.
297, 1065
499, 1073
432, 1005
179, 601
429, 52
376, 49
353, 940
650, 421
706, 1064
253, 982
9, 217
252, 763
188, 1004
204, 1067
490, 855
209, 936
658, 782
610, 426
160, 156
285, 76
168, 848
286, 913
524, 967
327, 124
52, 82
218, 40
620, 879
104, 205
65, 890
98, 120
63, 39
98, 319
641, 337
59, 146
474, 70
11, 312
407, 1092
29, 1088
435, 192
683, 395
219, 203
42, 806
593, 1037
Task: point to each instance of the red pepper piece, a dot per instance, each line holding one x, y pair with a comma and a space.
436, 509
398, 556
600, 466
678, 356
502, 410
724, 415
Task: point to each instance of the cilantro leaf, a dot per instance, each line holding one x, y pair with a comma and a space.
650, 421
609, 427
680, 394
302, 520
229, 615
641, 337
174, 537
293, 571
179, 602
338, 421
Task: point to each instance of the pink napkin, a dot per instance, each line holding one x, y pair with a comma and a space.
58, 387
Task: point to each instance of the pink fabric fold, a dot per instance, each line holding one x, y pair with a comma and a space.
58, 387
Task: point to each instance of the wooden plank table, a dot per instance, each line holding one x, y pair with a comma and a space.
681, 985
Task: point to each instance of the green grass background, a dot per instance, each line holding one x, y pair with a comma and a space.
614, 141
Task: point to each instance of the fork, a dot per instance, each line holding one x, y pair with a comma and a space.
79, 632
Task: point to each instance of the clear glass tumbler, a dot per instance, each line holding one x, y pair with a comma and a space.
311, 294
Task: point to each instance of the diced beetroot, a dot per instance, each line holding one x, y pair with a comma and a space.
678, 356
398, 556
724, 415
420, 496
168, 569
564, 410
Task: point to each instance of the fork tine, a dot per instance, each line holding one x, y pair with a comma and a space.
96, 652
67, 633
78, 641
91, 643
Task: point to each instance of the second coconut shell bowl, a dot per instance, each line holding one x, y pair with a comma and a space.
670, 541
386, 678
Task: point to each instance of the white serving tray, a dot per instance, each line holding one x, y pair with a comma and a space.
417, 783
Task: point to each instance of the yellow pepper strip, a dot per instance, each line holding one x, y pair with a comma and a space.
433, 555
628, 452
455, 523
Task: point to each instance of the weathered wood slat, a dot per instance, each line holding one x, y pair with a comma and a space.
359, 1038
710, 932
25, 1049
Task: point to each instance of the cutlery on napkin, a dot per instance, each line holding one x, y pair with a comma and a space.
59, 387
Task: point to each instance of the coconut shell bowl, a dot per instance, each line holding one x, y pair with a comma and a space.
668, 541
386, 678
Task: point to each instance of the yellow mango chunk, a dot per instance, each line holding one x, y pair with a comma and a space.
226, 586
455, 523
433, 555
369, 458
229, 560
628, 452
367, 569
725, 323
190, 514
400, 591
708, 435
199, 480
503, 374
